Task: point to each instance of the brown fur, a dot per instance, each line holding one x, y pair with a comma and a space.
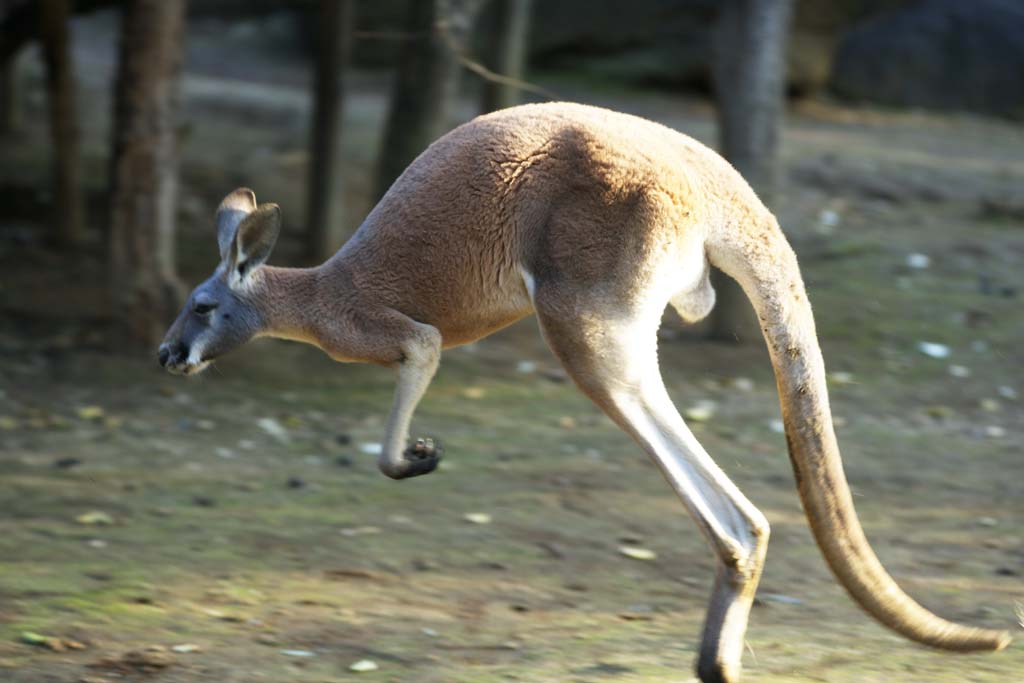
595, 221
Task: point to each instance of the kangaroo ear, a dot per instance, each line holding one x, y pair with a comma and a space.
254, 240
231, 212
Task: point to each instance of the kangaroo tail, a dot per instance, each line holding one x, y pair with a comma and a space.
758, 256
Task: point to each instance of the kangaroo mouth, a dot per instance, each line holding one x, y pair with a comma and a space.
179, 360
186, 368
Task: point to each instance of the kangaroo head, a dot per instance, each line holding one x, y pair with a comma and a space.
223, 313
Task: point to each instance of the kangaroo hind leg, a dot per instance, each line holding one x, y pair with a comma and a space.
614, 361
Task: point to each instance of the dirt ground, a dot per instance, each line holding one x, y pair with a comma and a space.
235, 523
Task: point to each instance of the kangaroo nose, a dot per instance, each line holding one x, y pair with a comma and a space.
163, 355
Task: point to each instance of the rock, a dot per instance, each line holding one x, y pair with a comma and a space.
937, 54
918, 261
186, 648
296, 483
989, 405
702, 411
477, 517
635, 553
66, 463
994, 432
526, 367
959, 371
933, 350
298, 653
95, 518
474, 393
273, 428
90, 413
840, 378
363, 666
371, 448
744, 384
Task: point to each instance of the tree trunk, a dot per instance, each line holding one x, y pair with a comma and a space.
60, 82
324, 204
144, 170
749, 74
427, 81
507, 52
8, 95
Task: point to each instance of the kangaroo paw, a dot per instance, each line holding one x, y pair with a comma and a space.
422, 457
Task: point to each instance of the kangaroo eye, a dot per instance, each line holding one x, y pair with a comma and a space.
203, 308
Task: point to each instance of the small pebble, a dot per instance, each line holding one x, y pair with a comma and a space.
933, 350
702, 411
744, 384
474, 393
273, 428
636, 553
918, 261
364, 665
990, 405
959, 371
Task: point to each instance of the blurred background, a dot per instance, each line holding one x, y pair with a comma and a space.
233, 527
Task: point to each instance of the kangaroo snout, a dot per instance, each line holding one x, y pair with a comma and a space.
172, 356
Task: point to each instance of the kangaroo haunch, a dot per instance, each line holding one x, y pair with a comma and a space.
595, 221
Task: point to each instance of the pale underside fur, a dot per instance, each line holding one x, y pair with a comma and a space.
595, 221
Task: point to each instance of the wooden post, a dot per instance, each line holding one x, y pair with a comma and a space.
146, 294
749, 74
324, 202
427, 82
60, 81
507, 52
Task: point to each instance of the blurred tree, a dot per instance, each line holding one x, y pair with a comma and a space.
506, 52
60, 80
427, 81
333, 48
749, 75
144, 170
8, 95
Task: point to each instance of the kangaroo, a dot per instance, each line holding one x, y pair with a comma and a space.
595, 221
